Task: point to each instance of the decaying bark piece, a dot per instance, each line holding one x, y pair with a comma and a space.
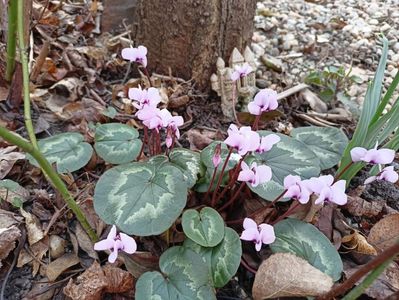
189, 36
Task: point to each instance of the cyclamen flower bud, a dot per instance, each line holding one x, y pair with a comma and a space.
216, 159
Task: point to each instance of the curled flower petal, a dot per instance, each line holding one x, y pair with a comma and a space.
129, 244
104, 245
249, 223
358, 153
250, 234
267, 233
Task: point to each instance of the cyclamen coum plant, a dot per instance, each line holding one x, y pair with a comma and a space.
157, 189
149, 196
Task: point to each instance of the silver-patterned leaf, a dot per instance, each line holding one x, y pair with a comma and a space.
306, 241
206, 227
223, 260
208, 152
141, 198
186, 275
289, 156
117, 143
326, 142
68, 151
189, 162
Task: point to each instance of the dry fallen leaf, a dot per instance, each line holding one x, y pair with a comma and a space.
34, 256
8, 157
95, 281
58, 266
35, 233
85, 242
357, 242
57, 246
385, 232
357, 206
8, 237
286, 275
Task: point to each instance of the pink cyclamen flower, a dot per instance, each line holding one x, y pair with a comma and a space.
264, 101
172, 124
297, 189
387, 174
267, 142
328, 190
217, 159
262, 234
255, 175
372, 156
138, 55
116, 242
146, 97
241, 71
244, 140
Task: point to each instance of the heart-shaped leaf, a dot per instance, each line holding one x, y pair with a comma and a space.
117, 143
68, 151
223, 260
141, 198
189, 162
186, 275
326, 142
306, 241
208, 152
289, 156
205, 228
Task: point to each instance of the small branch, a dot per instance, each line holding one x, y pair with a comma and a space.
287, 213
11, 39
25, 73
380, 259
52, 176
40, 60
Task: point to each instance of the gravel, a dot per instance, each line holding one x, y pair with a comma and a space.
306, 36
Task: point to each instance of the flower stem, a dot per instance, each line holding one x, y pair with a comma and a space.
248, 267
144, 142
25, 73
231, 201
233, 102
378, 264
52, 176
214, 199
256, 122
232, 179
211, 183
147, 75
258, 211
11, 39
287, 213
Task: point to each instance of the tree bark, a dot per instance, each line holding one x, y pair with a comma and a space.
187, 36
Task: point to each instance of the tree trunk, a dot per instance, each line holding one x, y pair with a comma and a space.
187, 36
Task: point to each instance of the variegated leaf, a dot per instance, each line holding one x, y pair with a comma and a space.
326, 142
141, 198
117, 143
289, 156
68, 151
189, 163
186, 277
306, 241
206, 227
223, 260
208, 152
